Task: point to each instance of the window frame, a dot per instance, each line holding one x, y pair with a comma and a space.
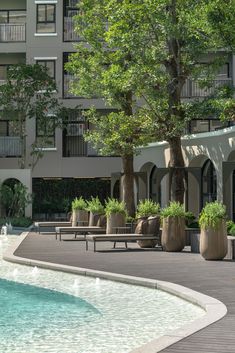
38, 135
40, 61
46, 21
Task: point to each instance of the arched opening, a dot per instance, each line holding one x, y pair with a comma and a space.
116, 190
208, 183
14, 198
155, 192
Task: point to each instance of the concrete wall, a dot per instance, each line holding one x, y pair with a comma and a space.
24, 176
218, 146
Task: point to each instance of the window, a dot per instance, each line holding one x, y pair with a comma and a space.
50, 65
13, 16
46, 18
45, 132
8, 128
74, 144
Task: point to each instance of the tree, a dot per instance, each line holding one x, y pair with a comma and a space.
150, 49
29, 92
168, 41
101, 69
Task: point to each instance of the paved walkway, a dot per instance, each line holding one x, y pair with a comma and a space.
214, 278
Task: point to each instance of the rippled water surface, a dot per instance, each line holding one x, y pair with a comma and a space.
43, 311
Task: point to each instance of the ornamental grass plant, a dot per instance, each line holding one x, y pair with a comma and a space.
211, 215
147, 208
79, 204
95, 206
115, 206
175, 209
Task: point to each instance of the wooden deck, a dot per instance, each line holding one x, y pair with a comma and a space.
214, 278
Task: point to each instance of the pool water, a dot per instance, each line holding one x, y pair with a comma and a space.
43, 311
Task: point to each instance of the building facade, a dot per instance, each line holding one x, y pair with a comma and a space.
36, 31
42, 31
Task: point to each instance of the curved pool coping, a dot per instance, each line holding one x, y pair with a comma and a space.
214, 309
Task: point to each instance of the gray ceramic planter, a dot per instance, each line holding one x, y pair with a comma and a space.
173, 234
213, 242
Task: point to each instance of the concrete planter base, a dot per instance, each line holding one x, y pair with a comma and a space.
195, 242
231, 248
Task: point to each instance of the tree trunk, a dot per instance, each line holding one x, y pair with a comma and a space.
128, 184
177, 170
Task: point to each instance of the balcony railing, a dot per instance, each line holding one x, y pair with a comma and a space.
10, 146
69, 30
76, 147
12, 32
192, 89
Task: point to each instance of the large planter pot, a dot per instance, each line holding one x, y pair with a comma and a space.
115, 220
150, 225
213, 242
93, 218
79, 217
173, 233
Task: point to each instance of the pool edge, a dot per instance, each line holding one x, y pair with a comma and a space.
215, 309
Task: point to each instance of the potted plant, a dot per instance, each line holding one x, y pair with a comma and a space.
79, 211
95, 208
116, 215
146, 208
148, 222
173, 227
213, 236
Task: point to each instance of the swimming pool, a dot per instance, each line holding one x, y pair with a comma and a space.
53, 312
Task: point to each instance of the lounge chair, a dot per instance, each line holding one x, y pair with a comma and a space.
39, 225
79, 230
125, 238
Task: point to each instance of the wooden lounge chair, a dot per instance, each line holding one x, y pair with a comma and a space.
114, 238
81, 230
39, 225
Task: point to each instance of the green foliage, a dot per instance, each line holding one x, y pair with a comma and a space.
23, 222
15, 199
115, 206
55, 196
189, 218
94, 205
230, 228
211, 215
79, 204
175, 209
147, 208
118, 133
28, 92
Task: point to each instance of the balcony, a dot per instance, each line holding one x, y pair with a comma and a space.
10, 146
12, 32
192, 88
69, 30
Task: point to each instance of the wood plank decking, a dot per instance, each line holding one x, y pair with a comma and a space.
214, 278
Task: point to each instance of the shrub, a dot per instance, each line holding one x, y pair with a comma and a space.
175, 209
95, 206
115, 206
79, 204
212, 214
147, 208
23, 222
230, 227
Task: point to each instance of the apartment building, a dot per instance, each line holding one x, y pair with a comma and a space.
37, 31
40, 31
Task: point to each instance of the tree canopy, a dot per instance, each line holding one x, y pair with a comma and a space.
143, 54
29, 92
